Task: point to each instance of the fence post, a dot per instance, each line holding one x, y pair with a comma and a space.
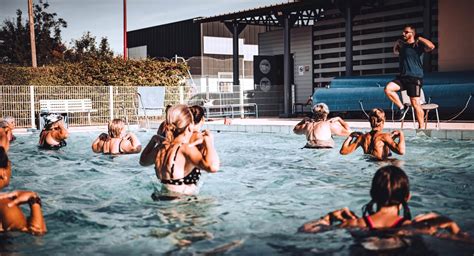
181, 94
241, 97
111, 102
32, 106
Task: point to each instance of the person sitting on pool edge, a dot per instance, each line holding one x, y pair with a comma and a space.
178, 162
10, 120
319, 130
11, 215
375, 143
390, 192
117, 141
54, 134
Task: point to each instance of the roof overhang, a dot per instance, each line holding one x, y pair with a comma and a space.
301, 12
304, 12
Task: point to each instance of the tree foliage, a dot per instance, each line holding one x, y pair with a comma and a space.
86, 47
15, 36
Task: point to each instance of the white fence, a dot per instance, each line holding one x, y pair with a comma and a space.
108, 102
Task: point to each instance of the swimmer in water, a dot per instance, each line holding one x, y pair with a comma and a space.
390, 194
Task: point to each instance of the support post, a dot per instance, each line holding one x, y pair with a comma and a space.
32, 34
286, 65
32, 106
181, 94
235, 28
235, 50
111, 102
125, 43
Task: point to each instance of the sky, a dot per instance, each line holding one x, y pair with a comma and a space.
104, 18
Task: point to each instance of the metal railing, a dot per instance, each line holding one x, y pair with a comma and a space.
108, 102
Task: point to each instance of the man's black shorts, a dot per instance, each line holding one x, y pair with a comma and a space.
411, 84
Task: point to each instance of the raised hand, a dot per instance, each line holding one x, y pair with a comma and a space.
19, 197
395, 133
355, 134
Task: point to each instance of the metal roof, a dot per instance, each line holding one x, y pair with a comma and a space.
268, 15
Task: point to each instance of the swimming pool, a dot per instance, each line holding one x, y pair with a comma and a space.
267, 187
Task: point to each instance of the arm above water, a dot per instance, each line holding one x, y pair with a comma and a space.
58, 133
35, 223
148, 155
344, 217
389, 140
208, 161
98, 143
351, 143
302, 126
134, 145
339, 127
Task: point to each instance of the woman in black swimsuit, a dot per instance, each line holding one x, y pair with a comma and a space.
179, 163
54, 134
390, 194
117, 141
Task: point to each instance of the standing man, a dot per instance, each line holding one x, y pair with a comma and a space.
410, 50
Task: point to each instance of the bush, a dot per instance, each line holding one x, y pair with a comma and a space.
97, 72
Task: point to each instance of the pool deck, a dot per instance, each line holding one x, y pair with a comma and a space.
452, 130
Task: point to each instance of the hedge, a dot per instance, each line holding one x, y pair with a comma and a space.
97, 72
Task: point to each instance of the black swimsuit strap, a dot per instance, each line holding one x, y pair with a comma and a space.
174, 159
120, 147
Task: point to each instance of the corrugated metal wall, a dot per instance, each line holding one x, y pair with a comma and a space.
250, 33
182, 38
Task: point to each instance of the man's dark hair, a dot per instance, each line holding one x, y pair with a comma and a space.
411, 27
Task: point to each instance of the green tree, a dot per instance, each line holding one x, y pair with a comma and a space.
86, 47
15, 41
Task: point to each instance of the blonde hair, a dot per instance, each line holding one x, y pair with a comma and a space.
376, 117
115, 128
178, 118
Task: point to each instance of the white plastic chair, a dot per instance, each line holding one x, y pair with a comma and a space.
424, 105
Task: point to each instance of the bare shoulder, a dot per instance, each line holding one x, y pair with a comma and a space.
354, 223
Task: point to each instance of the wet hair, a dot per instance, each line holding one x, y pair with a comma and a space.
320, 112
178, 118
390, 186
376, 117
198, 113
3, 158
115, 128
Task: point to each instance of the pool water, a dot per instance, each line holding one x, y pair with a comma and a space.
267, 187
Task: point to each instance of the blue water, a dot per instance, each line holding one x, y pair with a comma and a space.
267, 187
